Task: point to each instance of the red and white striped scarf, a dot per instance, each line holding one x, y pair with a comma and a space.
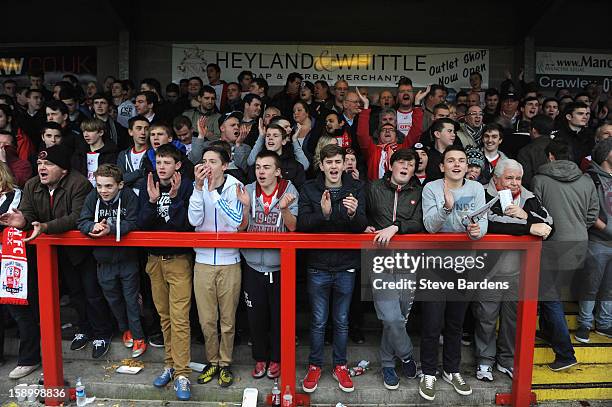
14, 269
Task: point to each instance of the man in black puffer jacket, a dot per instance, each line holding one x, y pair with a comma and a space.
334, 202
394, 207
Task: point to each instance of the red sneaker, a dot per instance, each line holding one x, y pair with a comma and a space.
259, 371
128, 341
311, 380
273, 370
140, 346
342, 375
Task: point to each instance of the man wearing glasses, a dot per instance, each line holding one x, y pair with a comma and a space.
340, 89
470, 132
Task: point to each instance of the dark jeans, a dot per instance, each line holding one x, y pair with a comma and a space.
261, 294
438, 314
554, 327
27, 318
356, 309
86, 296
320, 286
120, 284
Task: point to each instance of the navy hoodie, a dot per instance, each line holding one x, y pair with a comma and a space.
167, 214
95, 209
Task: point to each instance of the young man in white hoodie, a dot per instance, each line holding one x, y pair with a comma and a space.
214, 207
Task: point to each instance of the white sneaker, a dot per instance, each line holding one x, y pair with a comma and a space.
484, 373
507, 370
22, 371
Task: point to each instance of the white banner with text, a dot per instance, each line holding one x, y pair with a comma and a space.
366, 65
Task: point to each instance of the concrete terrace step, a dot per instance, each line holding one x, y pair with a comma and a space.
242, 353
599, 350
101, 380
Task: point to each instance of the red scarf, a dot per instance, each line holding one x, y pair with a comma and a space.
14, 272
344, 141
389, 149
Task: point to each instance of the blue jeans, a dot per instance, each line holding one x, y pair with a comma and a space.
597, 287
320, 286
554, 326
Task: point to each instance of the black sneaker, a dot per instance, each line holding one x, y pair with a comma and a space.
466, 339
607, 332
409, 368
226, 377
79, 342
559, 365
540, 335
356, 335
209, 373
582, 334
157, 340
100, 347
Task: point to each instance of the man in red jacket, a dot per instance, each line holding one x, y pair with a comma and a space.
378, 155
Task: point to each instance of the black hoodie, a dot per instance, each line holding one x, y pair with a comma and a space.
108, 155
125, 203
291, 169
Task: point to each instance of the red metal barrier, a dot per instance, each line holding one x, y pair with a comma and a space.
288, 243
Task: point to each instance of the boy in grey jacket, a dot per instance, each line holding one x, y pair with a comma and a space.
446, 204
270, 205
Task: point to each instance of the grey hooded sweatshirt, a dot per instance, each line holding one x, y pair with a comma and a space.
570, 197
603, 182
267, 260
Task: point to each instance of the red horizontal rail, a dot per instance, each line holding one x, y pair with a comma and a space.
288, 243
289, 240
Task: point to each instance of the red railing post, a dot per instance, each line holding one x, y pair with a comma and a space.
526, 319
287, 276
50, 331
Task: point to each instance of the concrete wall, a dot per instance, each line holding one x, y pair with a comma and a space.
153, 59
108, 60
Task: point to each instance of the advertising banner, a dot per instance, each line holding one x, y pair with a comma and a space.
365, 65
15, 63
556, 70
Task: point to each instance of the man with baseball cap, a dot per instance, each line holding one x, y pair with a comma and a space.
423, 152
51, 203
508, 112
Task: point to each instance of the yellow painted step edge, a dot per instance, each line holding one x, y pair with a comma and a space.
581, 374
598, 393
